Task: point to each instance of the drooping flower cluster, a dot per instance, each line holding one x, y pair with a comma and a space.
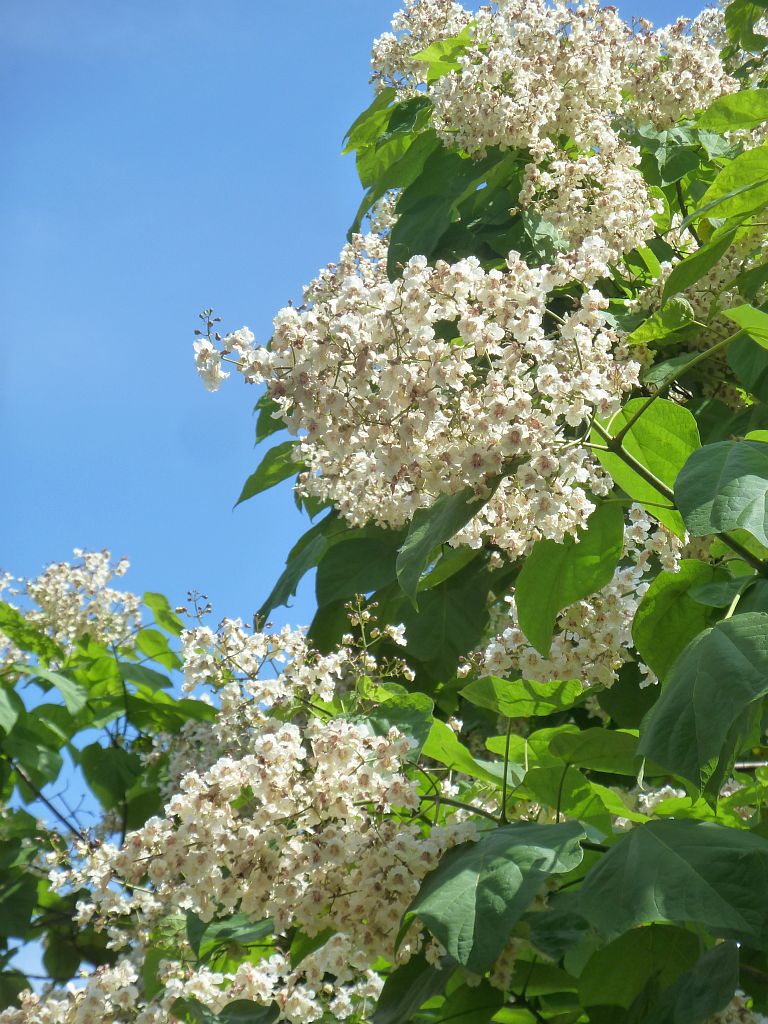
70, 600
306, 819
443, 380
593, 637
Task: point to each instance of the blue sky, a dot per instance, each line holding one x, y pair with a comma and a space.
160, 157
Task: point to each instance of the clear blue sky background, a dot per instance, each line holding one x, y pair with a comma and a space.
161, 156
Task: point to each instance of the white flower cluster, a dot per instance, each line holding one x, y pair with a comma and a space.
539, 71
597, 201
110, 994
441, 380
70, 600
307, 819
593, 638
739, 1011
414, 28
536, 69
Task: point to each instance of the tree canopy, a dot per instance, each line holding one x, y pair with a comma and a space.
515, 769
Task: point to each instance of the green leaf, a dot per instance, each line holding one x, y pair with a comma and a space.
668, 618
522, 698
661, 440
690, 270
443, 745
749, 282
569, 791
144, 676
600, 750
429, 528
110, 772
749, 361
241, 1011
752, 321
163, 614
267, 423
8, 713
426, 209
475, 1004
240, 929
442, 55
703, 990
75, 696
683, 872
675, 161
616, 974
479, 891
411, 713
402, 173
12, 983
720, 674
675, 314
277, 465
17, 629
740, 19
745, 109
18, 897
357, 566
559, 927
673, 368
61, 958
407, 988
554, 576
400, 127
303, 556
451, 619
627, 701
302, 945
365, 128
741, 186
154, 645
724, 486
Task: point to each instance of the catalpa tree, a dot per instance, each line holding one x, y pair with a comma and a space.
515, 769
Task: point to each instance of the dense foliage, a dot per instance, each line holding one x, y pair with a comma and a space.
515, 769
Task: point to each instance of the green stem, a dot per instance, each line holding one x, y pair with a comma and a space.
560, 792
503, 815
463, 806
638, 467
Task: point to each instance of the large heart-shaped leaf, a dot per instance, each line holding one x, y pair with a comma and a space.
724, 486
724, 670
473, 899
683, 872
521, 698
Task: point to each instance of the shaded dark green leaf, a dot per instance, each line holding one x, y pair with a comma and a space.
554, 576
